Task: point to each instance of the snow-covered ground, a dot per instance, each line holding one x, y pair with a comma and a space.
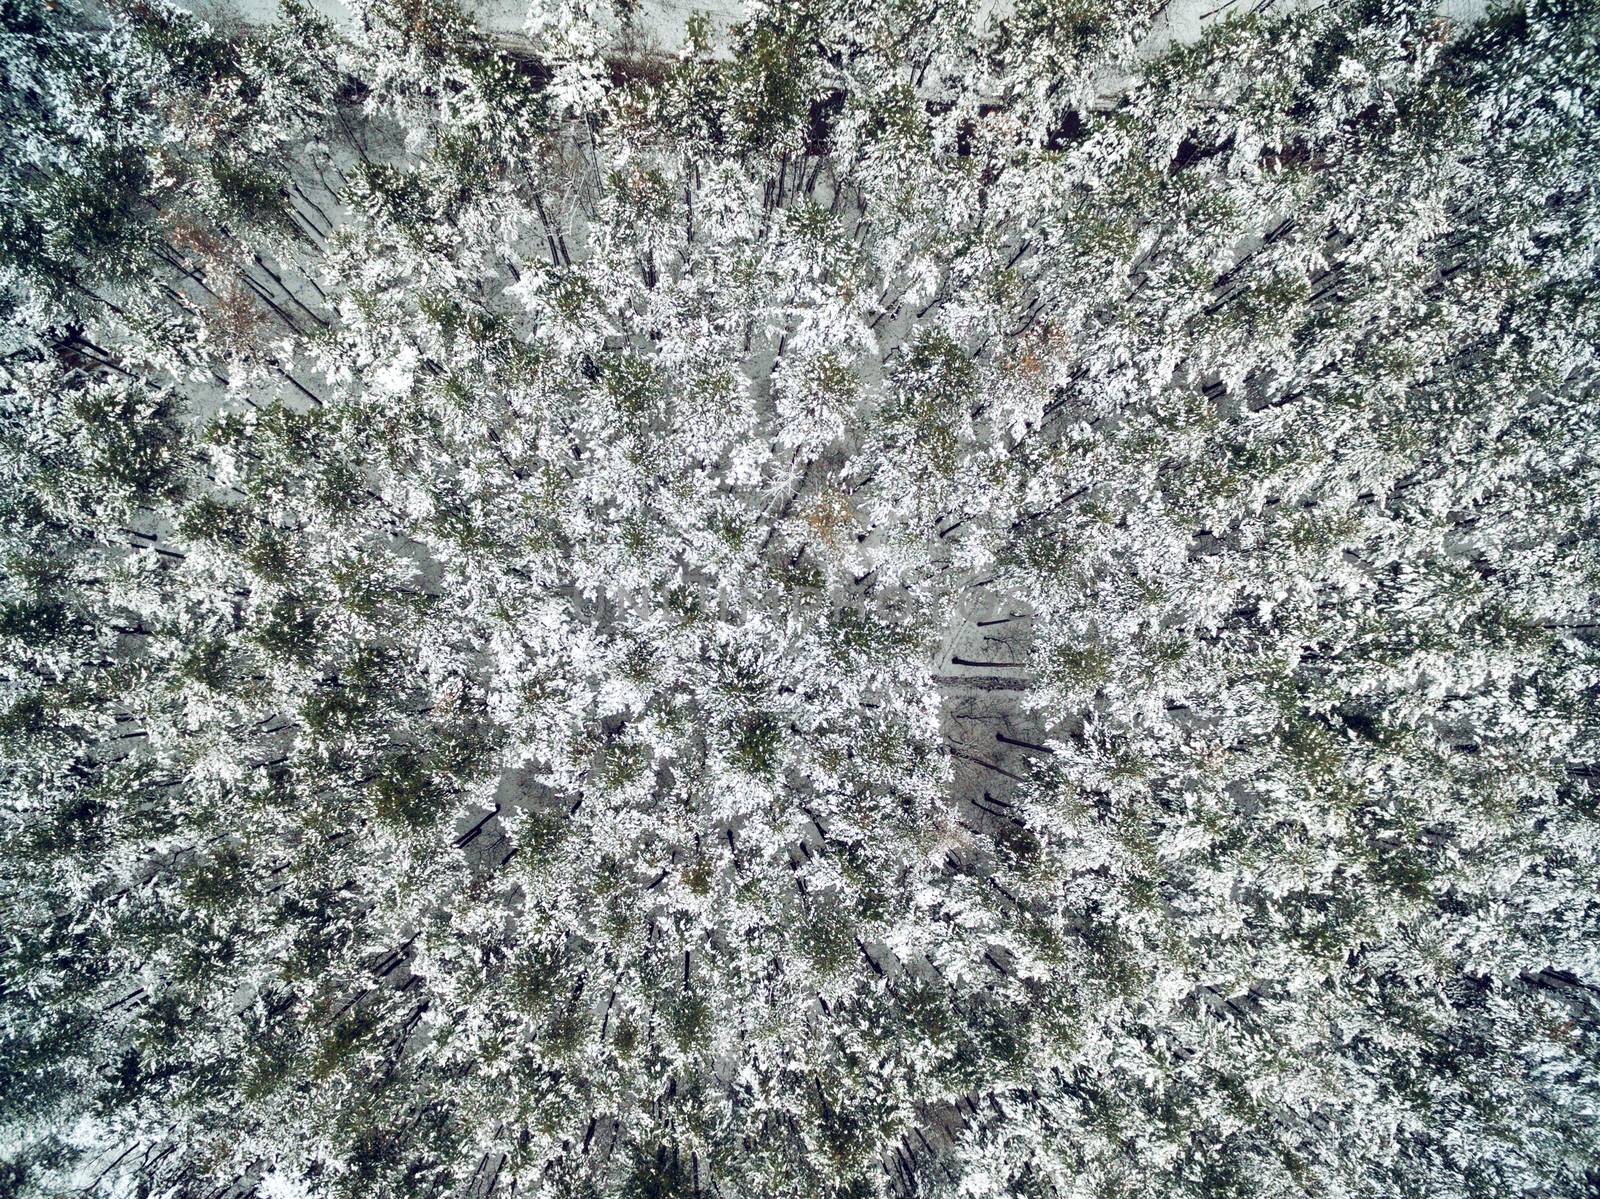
664, 23
1185, 20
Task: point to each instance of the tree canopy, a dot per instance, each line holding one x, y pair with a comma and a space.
916, 599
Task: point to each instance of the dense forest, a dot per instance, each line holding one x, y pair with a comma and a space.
913, 598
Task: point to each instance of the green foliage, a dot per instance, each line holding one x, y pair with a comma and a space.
758, 743
934, 388
828, 943
768, 84
195, 55
657, 1176
405, 793
250, 195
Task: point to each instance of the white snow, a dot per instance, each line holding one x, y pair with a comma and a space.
663, 24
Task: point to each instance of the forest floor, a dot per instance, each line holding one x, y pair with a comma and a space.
663, 24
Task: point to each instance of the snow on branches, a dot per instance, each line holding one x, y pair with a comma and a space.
918, 600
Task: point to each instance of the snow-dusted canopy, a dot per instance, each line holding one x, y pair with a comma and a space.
884, 598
